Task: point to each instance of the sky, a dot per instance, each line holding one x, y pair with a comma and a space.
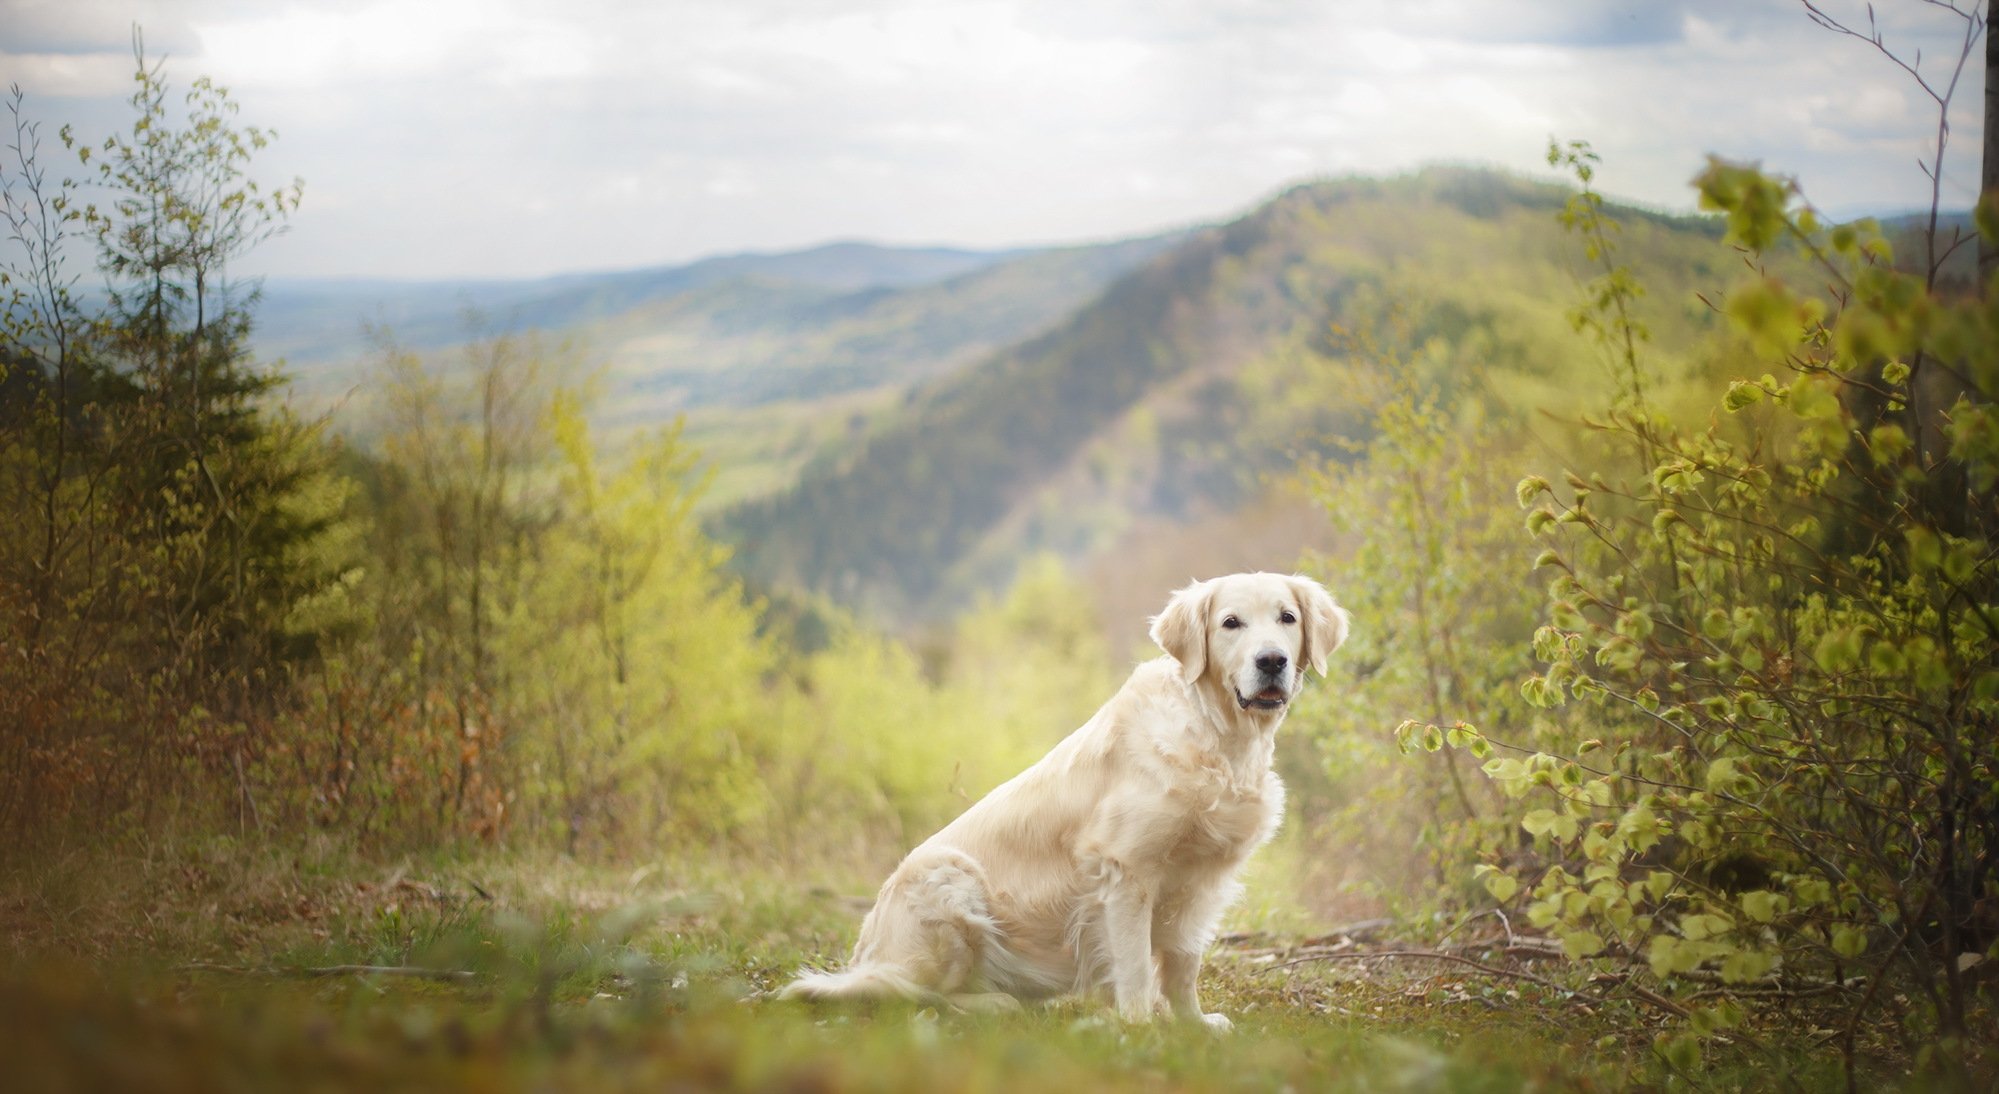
524, 138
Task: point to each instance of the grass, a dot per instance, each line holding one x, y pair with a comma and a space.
193, 967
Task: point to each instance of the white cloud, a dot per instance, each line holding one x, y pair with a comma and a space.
516, 137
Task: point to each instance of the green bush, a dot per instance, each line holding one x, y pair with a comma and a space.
1781, 630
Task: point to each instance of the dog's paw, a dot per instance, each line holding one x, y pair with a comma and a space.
1091, 1023
1217, 1023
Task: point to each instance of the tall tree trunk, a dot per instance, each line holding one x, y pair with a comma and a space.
1988, 180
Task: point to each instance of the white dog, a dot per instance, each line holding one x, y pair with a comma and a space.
1105, 867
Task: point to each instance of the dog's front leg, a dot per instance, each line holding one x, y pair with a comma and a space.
1179, 977
1128, 942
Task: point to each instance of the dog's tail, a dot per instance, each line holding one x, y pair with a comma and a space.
868, 981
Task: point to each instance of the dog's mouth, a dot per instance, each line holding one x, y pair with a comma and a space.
1270, 698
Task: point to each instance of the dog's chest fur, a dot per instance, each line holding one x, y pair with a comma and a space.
1224, 801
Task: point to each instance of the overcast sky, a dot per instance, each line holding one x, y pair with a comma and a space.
503, 138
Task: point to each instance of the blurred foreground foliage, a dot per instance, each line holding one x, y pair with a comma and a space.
496, 972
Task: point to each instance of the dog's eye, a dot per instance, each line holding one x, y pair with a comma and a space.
1287, 618
1231, 623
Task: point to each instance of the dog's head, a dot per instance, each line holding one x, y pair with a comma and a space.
1251, 635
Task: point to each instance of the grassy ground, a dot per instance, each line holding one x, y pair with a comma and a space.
211, 966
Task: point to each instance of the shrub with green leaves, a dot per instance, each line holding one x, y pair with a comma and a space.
1782, 627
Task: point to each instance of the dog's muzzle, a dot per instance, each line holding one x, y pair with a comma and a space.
1270, 697
1270, 669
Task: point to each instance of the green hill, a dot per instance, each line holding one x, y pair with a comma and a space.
1163, 409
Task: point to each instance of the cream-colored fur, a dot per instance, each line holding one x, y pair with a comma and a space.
1104, 868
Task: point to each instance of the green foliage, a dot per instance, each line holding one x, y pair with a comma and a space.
900, 743
557, 655
633, 668
1414, 503
1783, 631
171, 548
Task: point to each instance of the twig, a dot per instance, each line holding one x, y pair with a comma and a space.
1641, 992
1432, 955
417, 972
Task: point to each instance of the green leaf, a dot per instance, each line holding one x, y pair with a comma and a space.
1529, 488
1579, 944
1668, 955
1704, 925
1724, 776
1765, 310
1536, 691
1925, 549
1741, 394
1682, 1051
1565, 827
1753, 201
1960, 562
1500, 884
1840, 649
1762, 906
1888, 443
1743, 966
1658, 883
1505, 769
1848, 940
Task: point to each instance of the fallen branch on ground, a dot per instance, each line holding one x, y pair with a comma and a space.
1433, 955
417, 972
1642, 994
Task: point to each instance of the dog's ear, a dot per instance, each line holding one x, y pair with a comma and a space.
1182, 629
1325, 622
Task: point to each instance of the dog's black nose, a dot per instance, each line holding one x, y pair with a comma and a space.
1271, 662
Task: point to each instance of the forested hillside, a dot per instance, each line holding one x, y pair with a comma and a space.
1178, 393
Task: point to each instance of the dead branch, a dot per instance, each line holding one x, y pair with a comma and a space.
416, 972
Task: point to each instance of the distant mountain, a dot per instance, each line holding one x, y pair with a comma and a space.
1165, 404
769, 358
754, 340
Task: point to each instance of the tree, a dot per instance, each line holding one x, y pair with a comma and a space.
172, 541
1988, 174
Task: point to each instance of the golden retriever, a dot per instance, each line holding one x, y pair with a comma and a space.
1104, 868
